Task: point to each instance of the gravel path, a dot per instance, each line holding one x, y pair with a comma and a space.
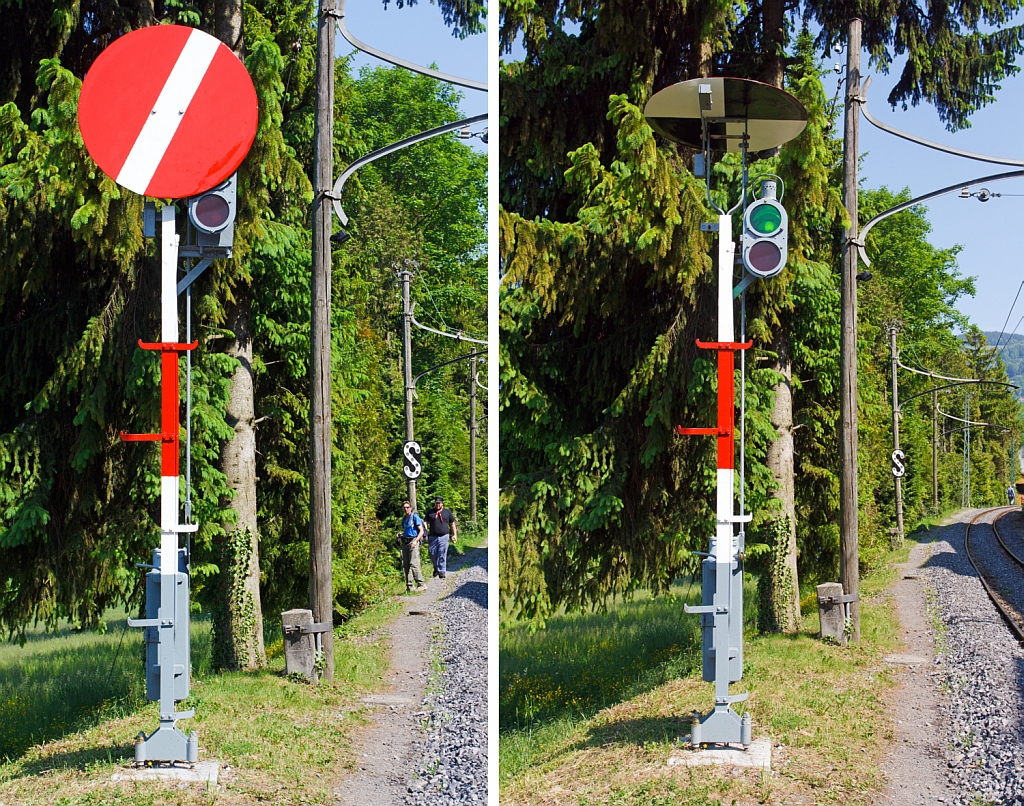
426, 743
982, 667
917, 763
454, 749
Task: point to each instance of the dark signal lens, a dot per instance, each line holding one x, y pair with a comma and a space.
764, 257
765, 219
212, 211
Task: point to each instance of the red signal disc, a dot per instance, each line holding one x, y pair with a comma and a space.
212, 211
764, 257
167, 111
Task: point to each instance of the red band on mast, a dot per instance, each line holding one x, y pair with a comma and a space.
726, 402
169, 399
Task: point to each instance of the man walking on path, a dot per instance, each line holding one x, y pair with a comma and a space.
410, 538
1011, 494
439, 522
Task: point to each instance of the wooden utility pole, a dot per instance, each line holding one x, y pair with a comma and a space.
406, 276
472, 437
896, 435
849, 574
935, 450
320, 597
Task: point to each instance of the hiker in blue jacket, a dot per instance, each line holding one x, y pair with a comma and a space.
410, 538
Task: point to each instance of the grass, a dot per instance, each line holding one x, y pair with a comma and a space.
470, 537
593, 705
62, 681
285, 742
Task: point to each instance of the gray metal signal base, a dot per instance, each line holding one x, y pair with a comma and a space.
167, 648
721, 613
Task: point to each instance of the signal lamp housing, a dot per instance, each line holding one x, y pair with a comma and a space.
213, 214
765, 234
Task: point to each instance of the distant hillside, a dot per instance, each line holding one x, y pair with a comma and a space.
1013, 354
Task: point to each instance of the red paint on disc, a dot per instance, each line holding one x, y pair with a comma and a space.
121, 89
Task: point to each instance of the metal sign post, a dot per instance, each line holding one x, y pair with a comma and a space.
722, 589
729, 114
169, 111
167, 602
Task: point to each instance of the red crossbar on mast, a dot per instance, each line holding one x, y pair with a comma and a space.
726, 402
169, 403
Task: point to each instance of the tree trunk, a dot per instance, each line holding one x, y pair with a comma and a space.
773, 29
786, 601
227, 22
781, 462
699, 57
238, 626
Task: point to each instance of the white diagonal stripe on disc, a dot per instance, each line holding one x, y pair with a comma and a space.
162, 123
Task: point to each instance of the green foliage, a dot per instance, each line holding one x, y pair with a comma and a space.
598, 320
233, 608
79, 287
915, 287
957, 53
775, 582
1010, 347
607, 283
74, 500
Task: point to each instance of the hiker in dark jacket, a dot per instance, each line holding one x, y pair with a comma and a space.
440, 522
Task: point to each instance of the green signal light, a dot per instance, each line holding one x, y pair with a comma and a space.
765, 219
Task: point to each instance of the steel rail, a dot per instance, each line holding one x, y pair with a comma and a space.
999, 537
1009, 614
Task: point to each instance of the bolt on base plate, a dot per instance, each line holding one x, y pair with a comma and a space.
167, 744
721, 726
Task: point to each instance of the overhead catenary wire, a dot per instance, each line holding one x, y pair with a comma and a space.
1012, 333
1009, 313
426, 288
444, 324
933, 374
954, 381
969, 423
913, 350
458, 335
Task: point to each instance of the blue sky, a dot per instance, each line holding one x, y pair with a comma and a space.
418, 34
987, 231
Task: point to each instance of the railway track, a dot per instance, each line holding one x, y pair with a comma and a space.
999, 561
